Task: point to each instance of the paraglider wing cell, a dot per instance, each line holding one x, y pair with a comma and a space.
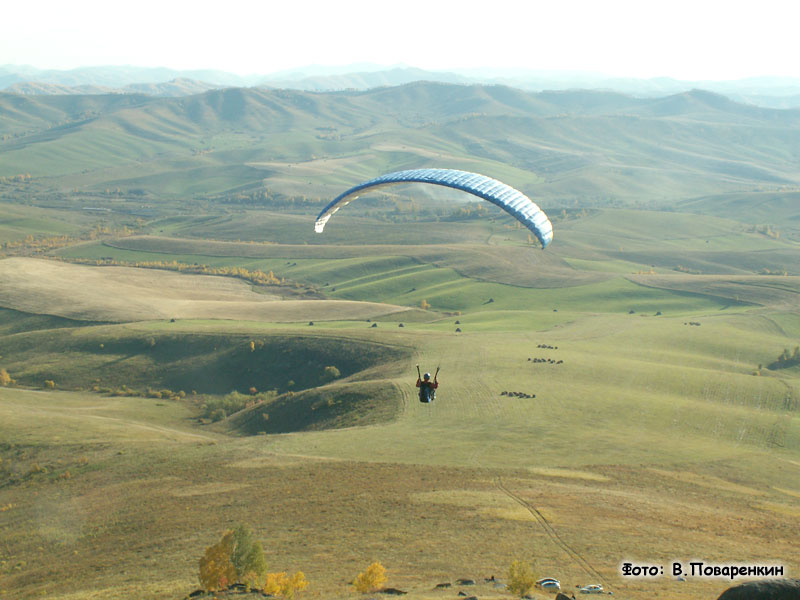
509, 199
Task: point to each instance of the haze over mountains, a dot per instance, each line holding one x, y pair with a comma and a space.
775, 92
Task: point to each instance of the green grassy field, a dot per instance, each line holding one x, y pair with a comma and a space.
652, 441
18, 222
601, 401
648, 439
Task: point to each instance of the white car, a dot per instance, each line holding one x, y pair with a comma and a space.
592, 589
549, 584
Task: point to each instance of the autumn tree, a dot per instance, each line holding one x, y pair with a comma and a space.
371, 579
5, 378
280, 584
216, 569
236, 558
520, 578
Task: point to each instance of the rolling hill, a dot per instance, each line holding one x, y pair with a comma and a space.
775, 92
610, 398
562, 148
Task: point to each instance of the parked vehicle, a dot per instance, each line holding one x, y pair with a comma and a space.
592, 589
549, 584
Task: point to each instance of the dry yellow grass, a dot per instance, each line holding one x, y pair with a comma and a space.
489, 502
783, 509
794, 493
122, 294
141, 505
568, 473
709, 481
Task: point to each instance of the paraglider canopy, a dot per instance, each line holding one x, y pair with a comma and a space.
509, 199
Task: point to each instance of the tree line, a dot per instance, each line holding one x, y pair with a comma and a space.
38, 245
237, 562
256, 276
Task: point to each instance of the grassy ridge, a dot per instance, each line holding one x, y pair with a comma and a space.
750, 207
14, 321
404, 281
111, 357
18, 222
605, 358
329, 407
643, 239
559, 147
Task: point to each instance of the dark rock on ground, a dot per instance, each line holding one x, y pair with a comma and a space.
771, 589
393, 592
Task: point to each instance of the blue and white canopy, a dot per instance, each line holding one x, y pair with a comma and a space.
509, 199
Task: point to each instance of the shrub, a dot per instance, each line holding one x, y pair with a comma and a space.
520, 578
217, 408
787, 359
5, 378
371, 579
330, 373
280, 584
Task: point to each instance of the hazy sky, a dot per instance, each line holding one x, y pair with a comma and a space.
698, 39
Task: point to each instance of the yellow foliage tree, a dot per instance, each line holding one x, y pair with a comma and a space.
216, 569
520, 578
424, 305
5, 378
237, 557
371, 579
280, 584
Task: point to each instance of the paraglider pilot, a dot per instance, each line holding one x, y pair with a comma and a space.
427, 388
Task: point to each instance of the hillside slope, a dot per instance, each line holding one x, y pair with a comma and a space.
559, 146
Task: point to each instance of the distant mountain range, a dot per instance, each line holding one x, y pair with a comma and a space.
772, 92
567, 148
